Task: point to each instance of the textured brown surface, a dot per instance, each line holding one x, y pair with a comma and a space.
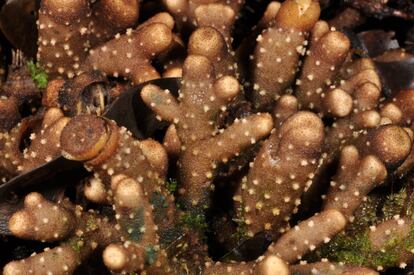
130, 55
278, 50
80, 234
280, 173
202, 97
308, 235
69, 29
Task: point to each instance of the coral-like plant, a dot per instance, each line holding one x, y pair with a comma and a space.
77, 35
81, 231
68, 30
195, 13
32, 142
203, 96
278, 176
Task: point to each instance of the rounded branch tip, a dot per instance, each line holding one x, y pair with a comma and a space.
128, 193
206, 41
304, 119
33, 199
338, 102
271, 11
176, 6
116, 179
272, 265
123, 12
337, 218
288, 100
368, 119
155, 154
114, 257
95, 191
20, 224
158, 36
298, 14
147, 90
264, 124
349, 155
165, 18
13, 268
336, 43
392, 144
65, 9
84, 137
227, 87
373, 167
391, 111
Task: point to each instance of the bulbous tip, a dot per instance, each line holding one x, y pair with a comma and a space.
13, 268
33, 199
156, 155
391, 143
227, 87
114, 257
123, 13
157, 37
272, 265
206, 41
128, 193
298, 14
20, 224
84, 137
264, 124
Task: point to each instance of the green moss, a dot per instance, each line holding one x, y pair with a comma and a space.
366, 214
76, 243
347, 249
385, 259
171, 185
194, 221
90, 224
356, 249
158, 200
408, 242
38, 74
394, 204
241, 232
151, 255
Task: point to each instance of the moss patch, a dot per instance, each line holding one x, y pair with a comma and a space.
76, 243
38, 74
394, 204
194, 221
357, 250
151, 255
171, 185
90, 224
